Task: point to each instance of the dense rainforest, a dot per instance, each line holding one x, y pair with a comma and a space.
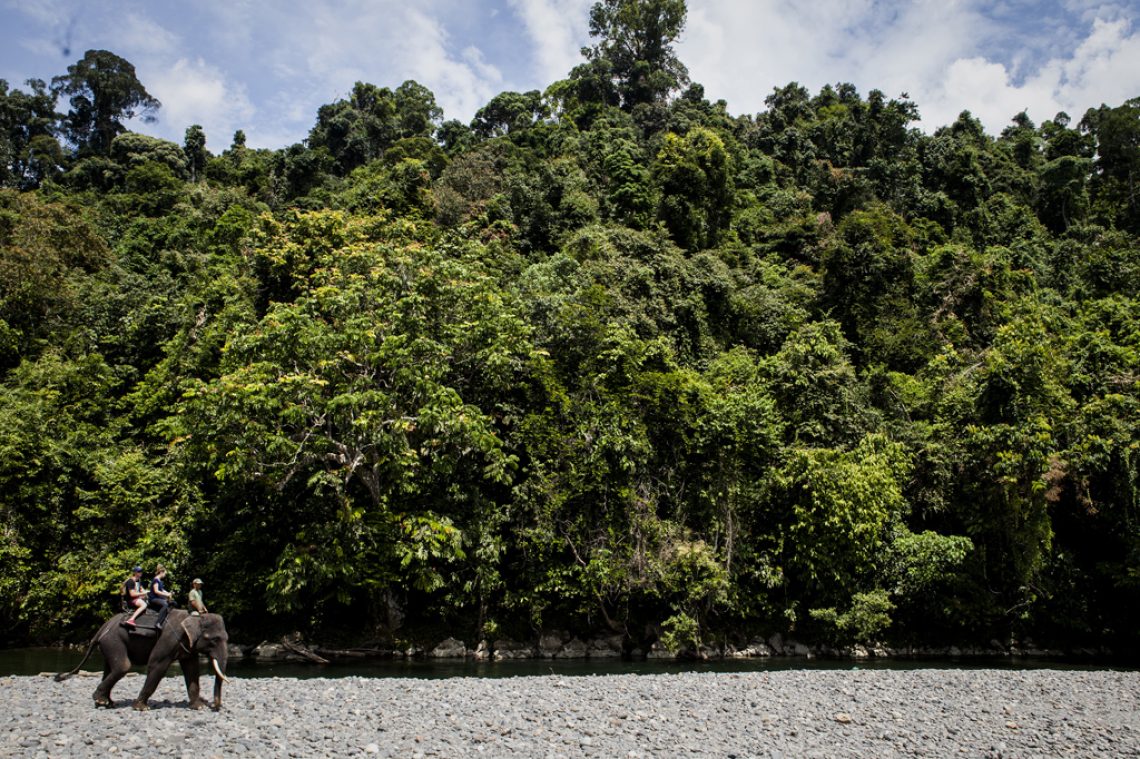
606, 358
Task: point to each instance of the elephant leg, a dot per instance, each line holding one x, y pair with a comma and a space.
113, 671
191, 673
154, 675
164, 653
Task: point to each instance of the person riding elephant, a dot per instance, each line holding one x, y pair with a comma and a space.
158, 597
134, 596
194, 597
184, 638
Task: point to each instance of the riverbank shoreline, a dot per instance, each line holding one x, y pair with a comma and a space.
561, 645
825, 713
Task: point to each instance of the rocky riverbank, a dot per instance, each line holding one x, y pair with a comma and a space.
802, 713
563, 645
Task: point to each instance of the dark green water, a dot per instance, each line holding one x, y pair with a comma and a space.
33, 661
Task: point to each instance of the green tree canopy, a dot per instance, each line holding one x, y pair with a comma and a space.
635, 40
103, 92
29, 151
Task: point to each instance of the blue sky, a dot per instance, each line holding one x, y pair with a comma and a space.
265, 67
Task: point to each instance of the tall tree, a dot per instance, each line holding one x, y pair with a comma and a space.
417, 111
694, 173
636, 38
360, 128
194, 145
1117, 132
29, 151
104, 92
509, 112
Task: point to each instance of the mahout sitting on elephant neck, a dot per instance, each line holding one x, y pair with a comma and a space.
194, 597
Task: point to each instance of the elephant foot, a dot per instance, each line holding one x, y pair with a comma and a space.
198, 705
140, 706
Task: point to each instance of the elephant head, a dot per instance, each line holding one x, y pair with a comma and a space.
206, 634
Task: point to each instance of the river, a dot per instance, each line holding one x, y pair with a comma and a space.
33, 661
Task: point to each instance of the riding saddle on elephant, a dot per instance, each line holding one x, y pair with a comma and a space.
146, 626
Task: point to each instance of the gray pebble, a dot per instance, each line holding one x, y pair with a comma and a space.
892, 713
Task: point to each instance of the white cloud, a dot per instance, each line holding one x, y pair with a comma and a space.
462, 83
193, 92
234, 23
267, 67
47, 12
321, 53
1106, 65
557, 31
40, 46
141, 35
1104, 68
933, 50
1090, 10
984, 89
741, 51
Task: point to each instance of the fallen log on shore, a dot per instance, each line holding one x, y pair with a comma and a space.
300, 649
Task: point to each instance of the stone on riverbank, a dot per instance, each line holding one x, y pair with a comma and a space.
512, 649
832, 713
449, 649
605, 648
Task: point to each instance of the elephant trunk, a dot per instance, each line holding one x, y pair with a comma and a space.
219, 678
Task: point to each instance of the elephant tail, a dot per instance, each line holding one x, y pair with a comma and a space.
60, 677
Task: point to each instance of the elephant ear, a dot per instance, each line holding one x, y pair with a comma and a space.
192, 631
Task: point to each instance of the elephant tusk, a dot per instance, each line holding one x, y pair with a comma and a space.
218, 670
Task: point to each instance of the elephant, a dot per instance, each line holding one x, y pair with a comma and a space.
183, 637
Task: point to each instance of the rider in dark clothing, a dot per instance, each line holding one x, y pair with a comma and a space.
134, 596
159, 597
